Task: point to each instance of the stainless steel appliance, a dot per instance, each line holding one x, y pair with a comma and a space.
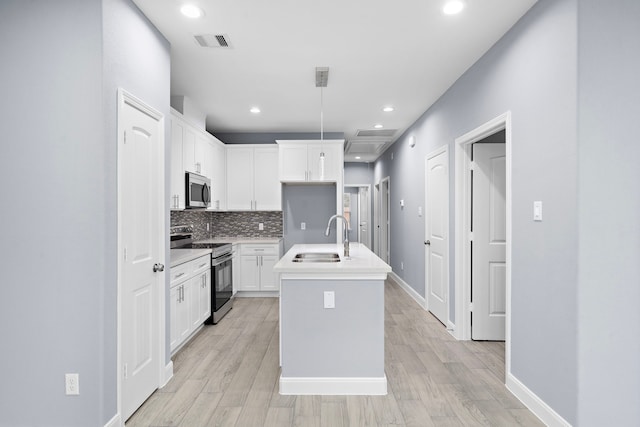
197, 191
221, 271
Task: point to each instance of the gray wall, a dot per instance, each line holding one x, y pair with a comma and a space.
358, 173
58, 172
532, 72
312, 204
609, 206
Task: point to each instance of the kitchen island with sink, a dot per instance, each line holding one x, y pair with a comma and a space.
332, 320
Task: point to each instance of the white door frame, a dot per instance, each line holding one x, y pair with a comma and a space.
463, 220
125, 97
368, 187
437, 152
387, 181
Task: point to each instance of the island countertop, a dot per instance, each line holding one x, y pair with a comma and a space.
362, 263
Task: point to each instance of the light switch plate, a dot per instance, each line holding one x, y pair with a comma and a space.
260, 226
329, 299
537, 210
303, 226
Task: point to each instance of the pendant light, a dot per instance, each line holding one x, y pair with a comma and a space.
322, 78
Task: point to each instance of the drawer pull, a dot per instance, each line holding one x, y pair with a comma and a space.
180, 275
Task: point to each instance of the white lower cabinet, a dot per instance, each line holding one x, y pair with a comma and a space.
256, 265
190, 299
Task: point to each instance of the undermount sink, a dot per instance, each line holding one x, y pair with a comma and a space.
317, 257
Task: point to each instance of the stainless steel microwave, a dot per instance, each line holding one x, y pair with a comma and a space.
198, 191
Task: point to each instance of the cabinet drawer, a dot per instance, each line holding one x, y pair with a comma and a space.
259, 249
201, 264
179, 273
189, 269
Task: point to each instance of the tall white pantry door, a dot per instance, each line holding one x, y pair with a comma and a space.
140, 187
489, 267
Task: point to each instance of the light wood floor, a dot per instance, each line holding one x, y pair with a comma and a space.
228, 376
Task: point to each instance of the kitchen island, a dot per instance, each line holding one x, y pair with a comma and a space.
332, 321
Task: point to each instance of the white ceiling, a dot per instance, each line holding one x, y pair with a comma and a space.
379, 52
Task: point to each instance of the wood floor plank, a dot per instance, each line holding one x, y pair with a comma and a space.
181, 401
202, 410
228, 375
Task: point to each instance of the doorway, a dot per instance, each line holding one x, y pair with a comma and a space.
357, 208
464, 235
141, 252
382, 216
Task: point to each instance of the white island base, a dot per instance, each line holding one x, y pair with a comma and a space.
339, 350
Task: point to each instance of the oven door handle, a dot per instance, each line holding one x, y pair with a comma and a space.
217, 261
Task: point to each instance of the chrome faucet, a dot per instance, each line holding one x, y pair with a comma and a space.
347, 228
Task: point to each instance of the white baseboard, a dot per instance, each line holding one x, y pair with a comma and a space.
114, 422
536, 405
408, 289
333, 386
167, 375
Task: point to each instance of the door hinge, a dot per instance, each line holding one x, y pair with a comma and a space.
125, 254
471, 306
471, 236
124, 371
125, 136
472, 165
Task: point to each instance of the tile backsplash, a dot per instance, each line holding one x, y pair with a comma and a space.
230, 224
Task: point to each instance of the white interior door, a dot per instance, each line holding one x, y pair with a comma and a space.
364, 208
488, 268
437, 233
140, 216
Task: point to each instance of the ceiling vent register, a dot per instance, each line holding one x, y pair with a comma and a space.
212, 40
378, 133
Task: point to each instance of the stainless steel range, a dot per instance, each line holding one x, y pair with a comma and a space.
221, 270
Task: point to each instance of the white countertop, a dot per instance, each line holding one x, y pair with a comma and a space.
362, 263
241, 240
180, 256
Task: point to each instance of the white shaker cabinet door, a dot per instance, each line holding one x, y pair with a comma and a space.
293, 162
240, 176
267, 190
177, 169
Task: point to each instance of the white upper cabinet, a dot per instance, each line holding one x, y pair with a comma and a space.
300, 160
219, 177
196, 150
252, 178
177, 170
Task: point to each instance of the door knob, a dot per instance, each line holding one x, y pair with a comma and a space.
427, 242
158, 267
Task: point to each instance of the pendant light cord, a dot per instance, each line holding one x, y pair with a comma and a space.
321, 118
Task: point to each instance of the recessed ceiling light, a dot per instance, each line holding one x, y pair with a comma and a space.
255, 110
388, 109
191, 11
357, 157
378, 126
452, 7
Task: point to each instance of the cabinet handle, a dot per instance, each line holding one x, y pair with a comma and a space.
261, 261
202, 265
257, 265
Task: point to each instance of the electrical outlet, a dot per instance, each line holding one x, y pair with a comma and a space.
419, 210
260, 226
208, 226
303, 226
72, 384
